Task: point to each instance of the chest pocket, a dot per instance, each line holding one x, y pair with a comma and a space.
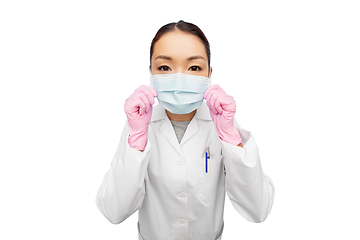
212, 181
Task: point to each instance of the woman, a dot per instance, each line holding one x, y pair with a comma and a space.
174, 162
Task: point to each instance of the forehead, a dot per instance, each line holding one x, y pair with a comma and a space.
179, 44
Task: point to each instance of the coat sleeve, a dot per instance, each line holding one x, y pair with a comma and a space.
123, 187
250, 191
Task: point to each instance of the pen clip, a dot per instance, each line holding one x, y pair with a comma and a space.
206, 158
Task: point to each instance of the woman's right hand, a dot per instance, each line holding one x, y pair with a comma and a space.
138, 110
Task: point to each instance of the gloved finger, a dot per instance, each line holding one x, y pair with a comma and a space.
218, 105
210, 89
215, 100
210, 100
137, 104
133, 105
211, 107
212, 97
149, 95
215, 93
229, 103
139, 94
146, 104
219, 101
152, 91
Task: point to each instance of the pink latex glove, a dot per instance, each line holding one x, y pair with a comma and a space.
138, 110
222, 110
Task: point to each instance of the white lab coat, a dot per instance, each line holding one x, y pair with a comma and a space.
167, 182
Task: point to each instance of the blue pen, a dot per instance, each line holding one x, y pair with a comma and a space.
207, 156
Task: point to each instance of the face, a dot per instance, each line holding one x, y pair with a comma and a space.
179, 52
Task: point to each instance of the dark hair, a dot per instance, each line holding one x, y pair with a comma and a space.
185, 27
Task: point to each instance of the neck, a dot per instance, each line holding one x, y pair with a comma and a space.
180, 117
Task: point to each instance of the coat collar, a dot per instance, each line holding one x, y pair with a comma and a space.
167, 130
202, 112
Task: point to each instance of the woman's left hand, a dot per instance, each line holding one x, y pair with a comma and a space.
222, 110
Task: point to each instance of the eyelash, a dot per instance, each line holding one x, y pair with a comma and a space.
197, 68
161, 68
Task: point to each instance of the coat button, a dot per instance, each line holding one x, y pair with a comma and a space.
181, 162
181, 221
182, 195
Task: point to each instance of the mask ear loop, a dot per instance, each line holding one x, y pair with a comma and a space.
152, 85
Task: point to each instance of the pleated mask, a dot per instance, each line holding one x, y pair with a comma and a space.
180, 93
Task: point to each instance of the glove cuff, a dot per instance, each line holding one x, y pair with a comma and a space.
232, 137
138, 140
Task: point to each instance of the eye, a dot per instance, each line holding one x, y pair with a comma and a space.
195, 68
163, 68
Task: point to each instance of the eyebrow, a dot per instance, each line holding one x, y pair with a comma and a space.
163, 57
196, 57
189, 59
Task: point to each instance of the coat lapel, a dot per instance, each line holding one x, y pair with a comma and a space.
201, 113
191, 130
168, 131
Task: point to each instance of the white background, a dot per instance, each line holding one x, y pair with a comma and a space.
66, 68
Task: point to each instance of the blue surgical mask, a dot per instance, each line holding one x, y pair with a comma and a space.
180, 93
